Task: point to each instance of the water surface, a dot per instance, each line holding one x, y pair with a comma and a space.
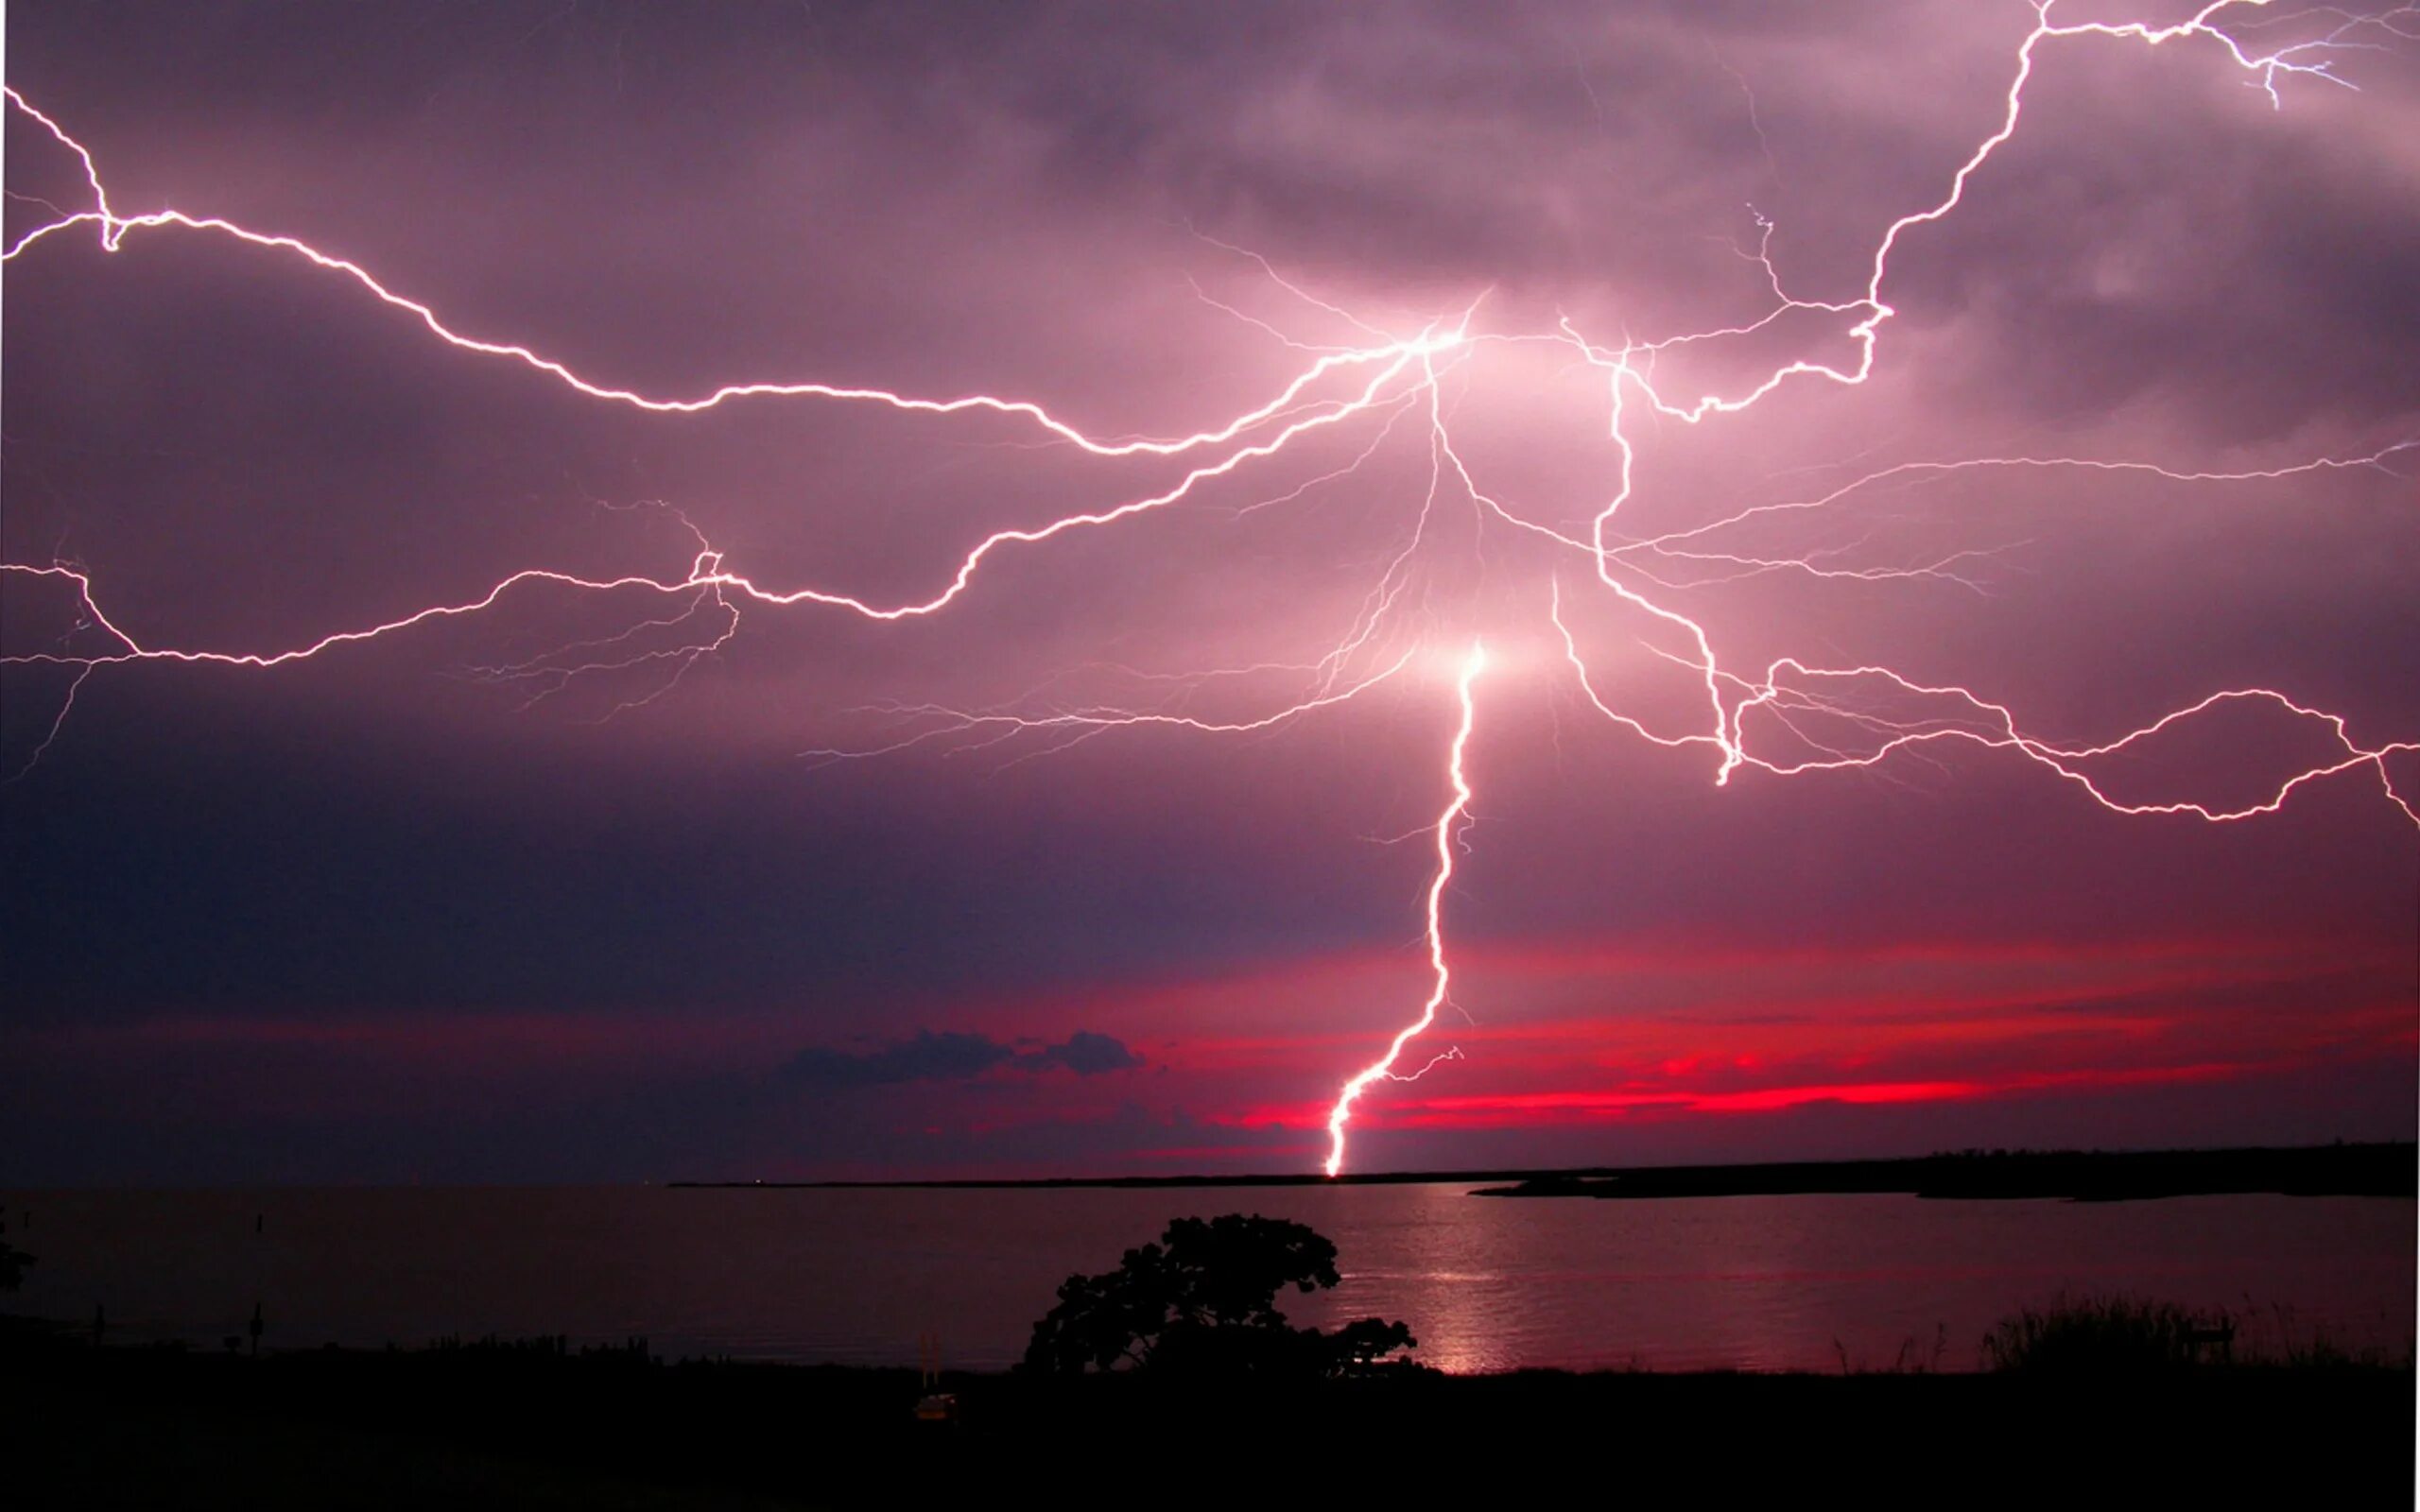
856, 1276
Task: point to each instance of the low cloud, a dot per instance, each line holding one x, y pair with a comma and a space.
1085, 1053
954, 1055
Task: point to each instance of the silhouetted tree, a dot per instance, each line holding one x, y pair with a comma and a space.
1204, 1302
12, 1261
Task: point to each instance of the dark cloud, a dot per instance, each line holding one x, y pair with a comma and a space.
1087, 1054
2187, 249
947, 1055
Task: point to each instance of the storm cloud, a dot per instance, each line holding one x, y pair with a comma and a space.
404, 903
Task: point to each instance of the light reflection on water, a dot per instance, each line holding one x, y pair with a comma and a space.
1487, 1284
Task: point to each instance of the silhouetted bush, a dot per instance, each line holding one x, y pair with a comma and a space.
1203, 1302
2103, 1335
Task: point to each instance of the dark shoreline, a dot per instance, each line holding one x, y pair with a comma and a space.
1156, 1183
530, 1424
2316, 1171
2387, 1170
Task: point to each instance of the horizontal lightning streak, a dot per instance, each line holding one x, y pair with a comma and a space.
959, 721
113, 228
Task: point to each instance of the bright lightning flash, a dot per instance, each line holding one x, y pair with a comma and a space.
1448, 840
1831, 717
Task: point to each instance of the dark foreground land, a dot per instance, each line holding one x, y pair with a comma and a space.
2390, 1170
528, 1425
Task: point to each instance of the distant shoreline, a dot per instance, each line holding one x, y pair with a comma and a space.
1271, 1178
2369, 1170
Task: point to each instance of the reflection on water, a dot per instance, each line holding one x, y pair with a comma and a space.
856, 1276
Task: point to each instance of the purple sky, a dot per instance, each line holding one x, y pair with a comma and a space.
381, 914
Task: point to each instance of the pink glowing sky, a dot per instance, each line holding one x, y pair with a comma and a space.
379, 916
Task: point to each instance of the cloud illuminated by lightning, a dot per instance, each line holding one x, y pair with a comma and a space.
1867, 715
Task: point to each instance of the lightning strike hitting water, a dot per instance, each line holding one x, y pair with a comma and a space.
1447, 837
1866, 714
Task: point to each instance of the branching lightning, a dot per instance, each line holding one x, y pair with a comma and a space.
1791, 717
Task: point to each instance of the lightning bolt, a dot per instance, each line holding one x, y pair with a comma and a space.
1446, 834
1827, 718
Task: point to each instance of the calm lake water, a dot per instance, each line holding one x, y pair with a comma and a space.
1762, 1283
